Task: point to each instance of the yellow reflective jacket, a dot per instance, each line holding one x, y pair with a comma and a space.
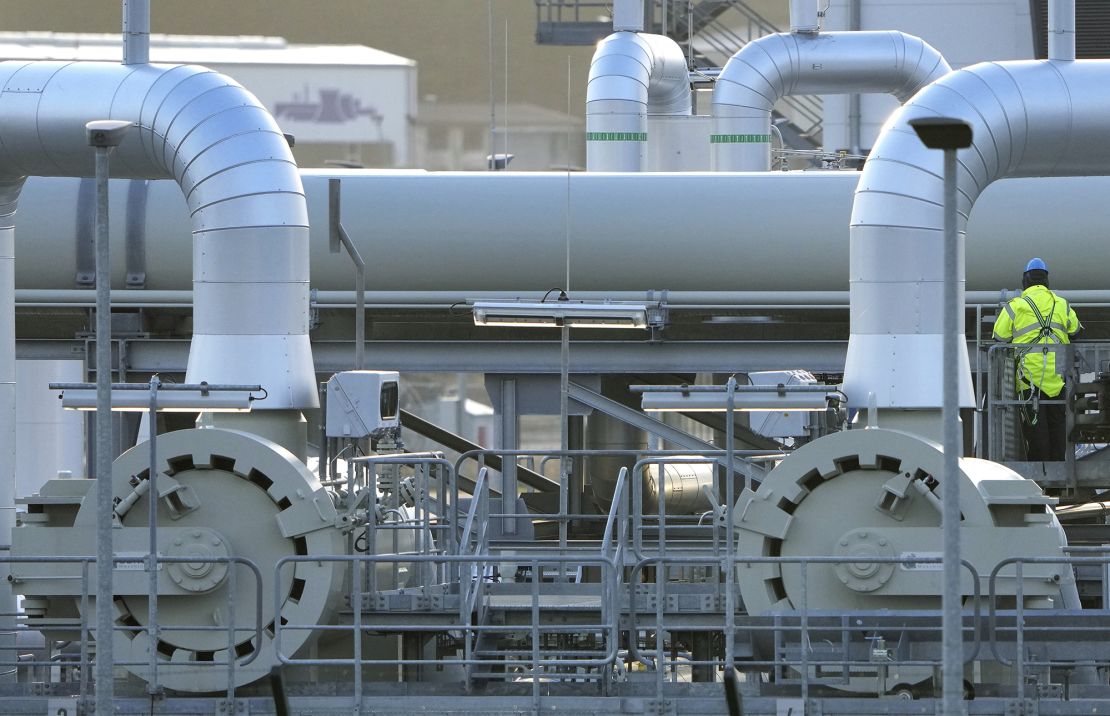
1038, 317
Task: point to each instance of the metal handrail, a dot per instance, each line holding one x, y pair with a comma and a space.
608, 623
803, 613
614, 512
477, 515
230, 628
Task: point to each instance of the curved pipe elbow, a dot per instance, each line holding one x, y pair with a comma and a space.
649, 70
775, 66
1031, 118
240, 181
633, 75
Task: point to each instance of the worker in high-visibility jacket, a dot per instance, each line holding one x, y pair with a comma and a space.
1035, 322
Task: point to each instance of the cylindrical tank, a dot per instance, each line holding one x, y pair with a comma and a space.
682, 483
623, 232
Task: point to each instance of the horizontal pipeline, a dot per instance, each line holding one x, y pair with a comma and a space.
82, 298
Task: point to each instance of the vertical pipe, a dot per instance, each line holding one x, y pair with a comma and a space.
231, 655
978, 443
136, 32
104, 606
1061, 30
9, 196
952, 626
508, 429
804, 16
730, 533
564, 436
152, 534
360, 312
855, 110
628, 15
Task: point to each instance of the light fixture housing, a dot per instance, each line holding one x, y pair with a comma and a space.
177, 401
717, 402
557, 314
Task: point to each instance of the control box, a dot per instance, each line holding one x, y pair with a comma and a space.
361, 403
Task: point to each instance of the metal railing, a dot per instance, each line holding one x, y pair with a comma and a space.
639, 588
82, 664
770, 636
530, 652
1034, 630
1004, 407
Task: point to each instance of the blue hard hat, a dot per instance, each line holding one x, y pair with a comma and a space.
1036, 265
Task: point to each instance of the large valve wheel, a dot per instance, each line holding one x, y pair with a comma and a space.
876, 494
222, 493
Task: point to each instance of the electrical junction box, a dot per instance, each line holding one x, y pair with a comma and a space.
780, 423
361, 402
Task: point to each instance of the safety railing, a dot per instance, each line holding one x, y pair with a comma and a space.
237, 633
1008, 412
615, 536
565, 519
1035, 643
783, 642
1004, 403
402, 515
580, 644
474, 544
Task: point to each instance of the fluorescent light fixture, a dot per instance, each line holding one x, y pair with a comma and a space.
717, 402
547, 314
177, 401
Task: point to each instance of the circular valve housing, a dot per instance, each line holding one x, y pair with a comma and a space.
876, 494
238, 493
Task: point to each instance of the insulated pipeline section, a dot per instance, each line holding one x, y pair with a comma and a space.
512, 232
244, 198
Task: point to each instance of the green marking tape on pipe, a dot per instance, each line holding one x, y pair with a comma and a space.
739, 138
616, 136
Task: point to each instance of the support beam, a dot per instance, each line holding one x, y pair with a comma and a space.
458, 443
656, 427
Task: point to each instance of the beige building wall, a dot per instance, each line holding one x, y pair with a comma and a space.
449, 39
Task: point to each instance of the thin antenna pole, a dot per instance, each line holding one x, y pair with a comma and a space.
506, 142
492, 99
566, 222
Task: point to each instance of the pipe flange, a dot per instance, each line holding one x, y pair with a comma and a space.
864, 545
202, 545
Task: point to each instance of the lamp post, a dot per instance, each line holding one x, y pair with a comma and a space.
104, 135
949, 134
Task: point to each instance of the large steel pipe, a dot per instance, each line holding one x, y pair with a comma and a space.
1047, 119
244, 199
775, 66
632, 75
511, 231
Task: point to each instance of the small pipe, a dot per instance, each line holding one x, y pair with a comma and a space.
1061, 30
136, 32
855, 113
152, 535
628, 15
804, 16
86, 298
